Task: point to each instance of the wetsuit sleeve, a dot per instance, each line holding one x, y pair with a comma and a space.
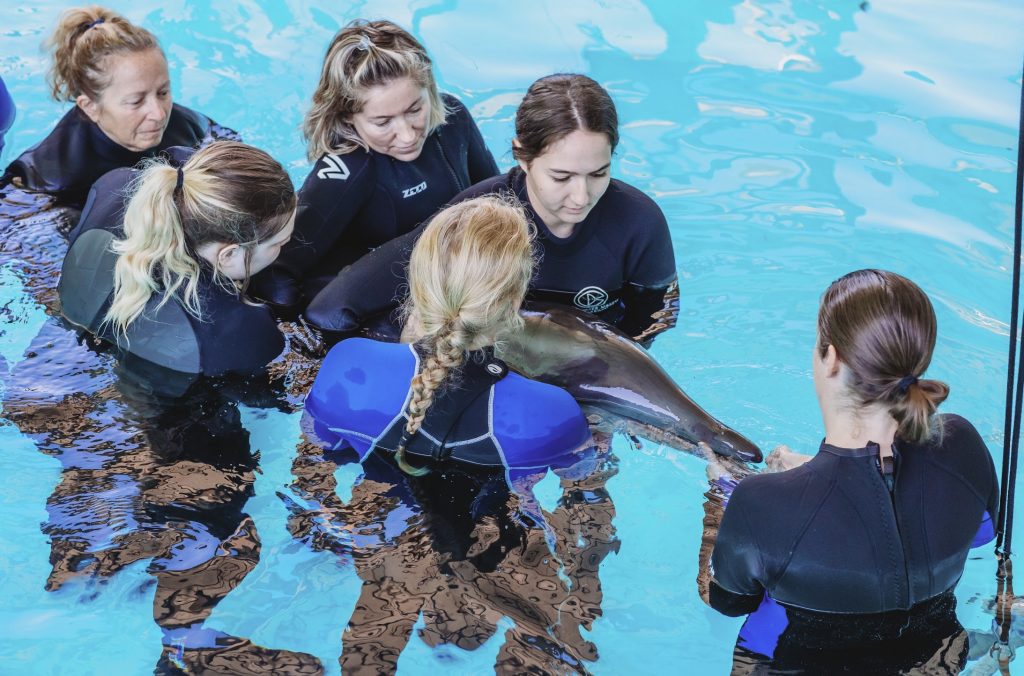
480, 160
334, 192
736, 565
651, 290
368, 288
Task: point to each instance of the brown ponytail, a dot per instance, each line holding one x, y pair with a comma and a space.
883, 328
80, 44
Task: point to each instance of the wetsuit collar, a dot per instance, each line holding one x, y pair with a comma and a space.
869, 450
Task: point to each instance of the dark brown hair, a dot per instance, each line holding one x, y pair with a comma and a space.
81, 43
882, 326
557, 105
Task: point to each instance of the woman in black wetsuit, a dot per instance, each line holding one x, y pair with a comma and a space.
164, 275
604, 246
116, 74
849, 560
390, 150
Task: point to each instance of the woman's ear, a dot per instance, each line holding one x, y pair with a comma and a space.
516, 145
831, 360
88, 106
228, 255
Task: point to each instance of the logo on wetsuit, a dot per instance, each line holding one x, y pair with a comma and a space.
593, 299
416, 189
335, 168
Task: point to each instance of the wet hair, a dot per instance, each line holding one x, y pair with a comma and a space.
468, 275
229, 193
557, 105
883, 328
364, 54
82, 42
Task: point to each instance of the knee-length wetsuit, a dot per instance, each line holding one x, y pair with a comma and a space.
835, 567
232, 336
353, 203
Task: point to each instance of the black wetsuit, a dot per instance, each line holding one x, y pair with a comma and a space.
77, 152
353, 203
618, 264
836, 568
231, 337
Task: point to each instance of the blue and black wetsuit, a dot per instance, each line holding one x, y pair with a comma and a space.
837, 569
77, 153
486, 416
618, 264
353, 203
7, 111
231, 337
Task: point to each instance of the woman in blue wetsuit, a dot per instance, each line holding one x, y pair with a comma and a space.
7, 112
164, 274
445, 396
604, 246
116, 74
390, 150
849, 560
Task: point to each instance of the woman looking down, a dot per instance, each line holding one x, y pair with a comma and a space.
116, 74
390, 150
164, 275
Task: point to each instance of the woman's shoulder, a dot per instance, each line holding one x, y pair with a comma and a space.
534, 400
625, 196
360, 361
333, 171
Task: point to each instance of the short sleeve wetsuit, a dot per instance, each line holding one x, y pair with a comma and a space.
231, 337
827, 559
77, 153
618, 264
486, 417
353, 203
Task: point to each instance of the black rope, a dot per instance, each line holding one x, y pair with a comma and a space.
1014, 390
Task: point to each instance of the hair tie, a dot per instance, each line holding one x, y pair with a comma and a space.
364, 43
94, 23
180, 182
905, 382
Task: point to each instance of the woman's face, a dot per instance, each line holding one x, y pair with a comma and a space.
569, 178
134, 109
394, 117
229, 259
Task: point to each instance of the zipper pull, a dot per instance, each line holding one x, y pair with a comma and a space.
886, 464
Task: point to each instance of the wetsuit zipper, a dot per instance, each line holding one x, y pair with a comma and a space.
448, 163
905, 598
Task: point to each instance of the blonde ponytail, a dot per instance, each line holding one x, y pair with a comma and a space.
468, 276
80, 44
230, 193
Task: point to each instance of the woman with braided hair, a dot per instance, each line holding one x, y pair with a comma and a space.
445, 395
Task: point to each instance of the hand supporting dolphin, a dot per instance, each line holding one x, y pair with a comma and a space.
608, 373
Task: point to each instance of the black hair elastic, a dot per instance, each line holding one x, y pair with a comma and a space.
180, 182
97, 22
905, 382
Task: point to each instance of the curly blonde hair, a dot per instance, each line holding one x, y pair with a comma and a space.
468, 276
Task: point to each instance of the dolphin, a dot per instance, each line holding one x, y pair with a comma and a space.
608, 373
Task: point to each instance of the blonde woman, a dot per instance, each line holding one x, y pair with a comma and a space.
164, 275
445, 396
116, 75
390, 150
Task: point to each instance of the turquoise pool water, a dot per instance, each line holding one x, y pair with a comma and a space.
787, 142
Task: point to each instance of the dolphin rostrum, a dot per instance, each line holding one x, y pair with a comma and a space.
605, 371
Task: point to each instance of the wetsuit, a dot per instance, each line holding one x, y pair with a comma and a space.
834, 566
77, 152
489, 417
231, 337
618, 264
352, 203
7, 112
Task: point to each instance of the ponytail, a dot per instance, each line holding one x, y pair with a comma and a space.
913, 407
80, 44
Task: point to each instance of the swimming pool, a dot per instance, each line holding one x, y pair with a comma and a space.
787, 142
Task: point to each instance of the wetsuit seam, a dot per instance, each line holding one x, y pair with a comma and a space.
807, 523
405, 402
970, 486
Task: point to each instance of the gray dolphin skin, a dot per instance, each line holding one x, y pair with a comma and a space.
607, 372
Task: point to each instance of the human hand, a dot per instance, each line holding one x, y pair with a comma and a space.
784, 458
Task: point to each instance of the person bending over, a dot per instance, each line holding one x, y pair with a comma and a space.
164, 274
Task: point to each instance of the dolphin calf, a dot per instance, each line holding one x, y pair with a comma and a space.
608, 373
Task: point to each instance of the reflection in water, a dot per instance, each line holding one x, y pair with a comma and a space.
147, 476
457, 548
